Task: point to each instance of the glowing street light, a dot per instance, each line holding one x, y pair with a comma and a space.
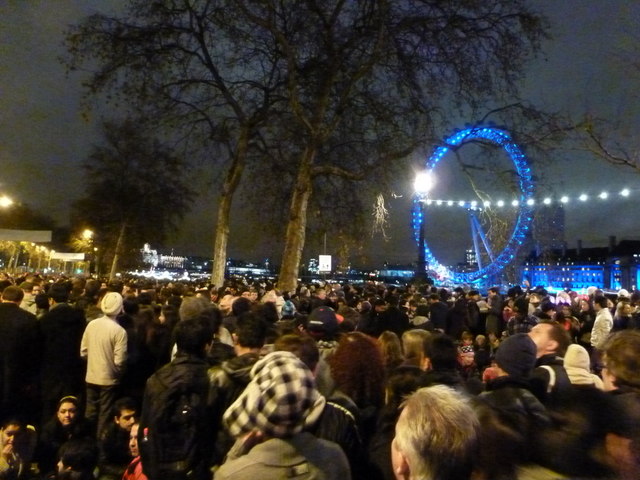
87, 234
5, 201
423, 183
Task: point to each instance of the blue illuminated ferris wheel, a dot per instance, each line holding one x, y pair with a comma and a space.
497, 261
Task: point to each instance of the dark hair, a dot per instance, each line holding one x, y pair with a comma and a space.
124, 403
302, 346
130, 305
79, 454
59, 293
13, 294
192, 336
145, 298
602, 301
441, 350
42, 301
251, 330
69, 399
240, 305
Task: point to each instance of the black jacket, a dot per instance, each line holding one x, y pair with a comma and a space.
63, 370
19, 360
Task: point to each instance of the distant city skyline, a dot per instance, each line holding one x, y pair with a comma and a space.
44, 134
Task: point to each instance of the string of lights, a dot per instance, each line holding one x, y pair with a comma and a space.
532, 202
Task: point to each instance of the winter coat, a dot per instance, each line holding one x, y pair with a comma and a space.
63, 371
302, 456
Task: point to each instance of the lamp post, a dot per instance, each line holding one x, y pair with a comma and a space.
87, 236
422, 186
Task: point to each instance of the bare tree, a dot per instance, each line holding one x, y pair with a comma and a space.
136, 191
194, 68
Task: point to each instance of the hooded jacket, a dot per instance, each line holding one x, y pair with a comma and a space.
577, 365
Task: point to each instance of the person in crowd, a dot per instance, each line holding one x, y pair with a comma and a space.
269, 420
578, 367
482, 353
104, 346
401, 383
441, 363
474, 317
568, 321
509, 413
391, 349
622, 317
438, 312
413, 346
467, 354
549, 379
78, 459
134, 469
336, 423
29, 300
436, 436
114, 440
458, 315
601, 328
322, 325
495, 302
63, 371
17, 442
521, 321
621, 377
358, 371
230, 379
175, 424
67, 423
20, 354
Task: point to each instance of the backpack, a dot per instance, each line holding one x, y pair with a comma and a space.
172, 437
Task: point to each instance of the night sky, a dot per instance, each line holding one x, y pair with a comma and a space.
584, 68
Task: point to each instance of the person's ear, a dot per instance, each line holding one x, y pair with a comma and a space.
401, 470
425, 364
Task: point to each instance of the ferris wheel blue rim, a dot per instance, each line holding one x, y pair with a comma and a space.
524, 219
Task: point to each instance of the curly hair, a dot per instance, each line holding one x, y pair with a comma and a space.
358, 369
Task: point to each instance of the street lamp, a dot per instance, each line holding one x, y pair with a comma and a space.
422, 186
5, 201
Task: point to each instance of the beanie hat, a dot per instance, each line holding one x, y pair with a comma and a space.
111, 304
517, 355
323, 322
280, 401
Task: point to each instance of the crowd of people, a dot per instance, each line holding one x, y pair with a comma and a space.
141, 380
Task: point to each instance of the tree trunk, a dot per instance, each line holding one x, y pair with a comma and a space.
234, 173
117, 252
297, 225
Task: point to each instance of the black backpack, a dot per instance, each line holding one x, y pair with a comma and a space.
172, 435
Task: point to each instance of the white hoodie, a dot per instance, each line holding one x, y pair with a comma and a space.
576, 363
